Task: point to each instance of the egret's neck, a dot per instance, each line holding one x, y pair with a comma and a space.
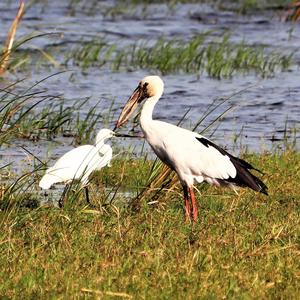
147, 111
99, 144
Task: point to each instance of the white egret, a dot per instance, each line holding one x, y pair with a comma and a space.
79, 163
193, 157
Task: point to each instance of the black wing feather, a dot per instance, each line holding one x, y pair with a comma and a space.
243, 177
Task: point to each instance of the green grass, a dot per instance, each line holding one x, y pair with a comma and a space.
126, 7
89, 7
23, 114
218, 59
20, 58
244, 246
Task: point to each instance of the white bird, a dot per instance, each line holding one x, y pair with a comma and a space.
79, 163
193, 157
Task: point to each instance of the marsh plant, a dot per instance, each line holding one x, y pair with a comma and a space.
217, 59
24, 114
121, 7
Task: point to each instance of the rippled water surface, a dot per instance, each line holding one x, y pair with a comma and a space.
262, 113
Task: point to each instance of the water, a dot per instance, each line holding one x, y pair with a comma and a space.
263, 111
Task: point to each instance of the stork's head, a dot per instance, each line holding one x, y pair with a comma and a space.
103, 135
150, 86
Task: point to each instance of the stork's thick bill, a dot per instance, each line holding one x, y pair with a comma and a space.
131, 105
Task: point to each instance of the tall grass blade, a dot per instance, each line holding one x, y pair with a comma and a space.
10, 38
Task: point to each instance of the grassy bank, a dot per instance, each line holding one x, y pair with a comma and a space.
244, 246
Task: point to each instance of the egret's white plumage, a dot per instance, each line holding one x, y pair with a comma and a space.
192, 156
80, 162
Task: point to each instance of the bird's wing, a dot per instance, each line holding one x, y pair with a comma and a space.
181, 150
195, 157
243, 176
75, 163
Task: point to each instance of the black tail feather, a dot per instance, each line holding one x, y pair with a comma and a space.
244, 177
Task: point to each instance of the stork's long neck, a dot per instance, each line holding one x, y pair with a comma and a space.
146, 114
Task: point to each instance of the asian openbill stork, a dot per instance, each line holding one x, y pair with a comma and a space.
193, 157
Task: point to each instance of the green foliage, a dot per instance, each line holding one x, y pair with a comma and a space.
242, 6
217, 58
127, 6
25, 115
244, 246
20, 58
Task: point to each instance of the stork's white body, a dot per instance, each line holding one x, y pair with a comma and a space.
181, 151
192, 156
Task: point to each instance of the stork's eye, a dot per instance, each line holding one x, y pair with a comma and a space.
145, 90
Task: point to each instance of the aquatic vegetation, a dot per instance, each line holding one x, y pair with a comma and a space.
91, 52
121, 7
218, 59
6, 52
55, 119
251, 6
23, 115
241, 3
11, 56
126, 7
20, 58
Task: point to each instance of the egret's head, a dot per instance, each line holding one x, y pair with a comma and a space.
150, 86
103, 135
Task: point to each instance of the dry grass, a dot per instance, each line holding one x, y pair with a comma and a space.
4, 58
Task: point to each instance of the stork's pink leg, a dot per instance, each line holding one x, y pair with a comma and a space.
194, 204
187, 209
